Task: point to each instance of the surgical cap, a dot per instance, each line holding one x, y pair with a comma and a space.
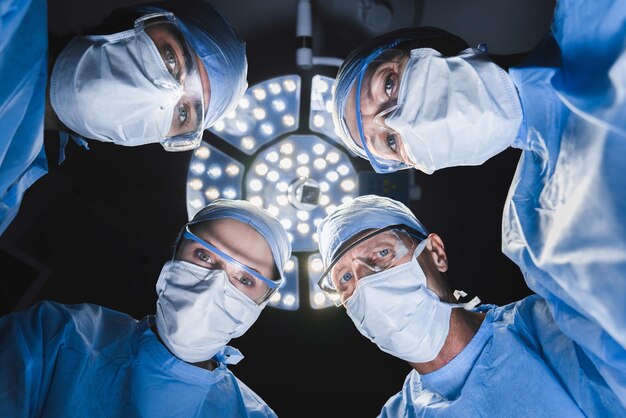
421, 37
219, 47
364, 212
258, 218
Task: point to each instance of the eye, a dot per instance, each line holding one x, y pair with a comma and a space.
203, 256
170, 61
246, 281
383, 253
391, 142
182, 114
390, 83
345, 278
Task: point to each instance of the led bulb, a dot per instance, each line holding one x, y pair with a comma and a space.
289, 266
303, 158
289, 85
258, 113
348, 185
272, 176
272, 156
215, 171
289, 121
278, 105
303, 228
261, 169
319, 163
286, 148
286, 163
230, 193
203, 152
318, 121
244, 103
198, 168
332, 157
319, 149
303, 171
232, 170
343, 169
247, 142
256, 185
316, 264
195, 184
303, 215
274, 88
259, 93
212, 193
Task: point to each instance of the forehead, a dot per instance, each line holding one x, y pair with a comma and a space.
239, 240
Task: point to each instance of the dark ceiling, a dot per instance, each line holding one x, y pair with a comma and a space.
99, 227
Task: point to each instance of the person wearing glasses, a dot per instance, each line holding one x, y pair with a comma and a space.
151, 73
423, 99
388, 272
89, 361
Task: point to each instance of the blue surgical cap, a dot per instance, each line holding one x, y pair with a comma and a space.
352, 66
258, 218
219, 47
364, 212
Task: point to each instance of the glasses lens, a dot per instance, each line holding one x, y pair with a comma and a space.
375, 253
179, 73
244, 278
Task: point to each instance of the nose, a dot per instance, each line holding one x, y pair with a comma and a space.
362, 269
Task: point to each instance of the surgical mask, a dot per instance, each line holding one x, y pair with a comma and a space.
452, 111
396, 311
117, 88
199, 310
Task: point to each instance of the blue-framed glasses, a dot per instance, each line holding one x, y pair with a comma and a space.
252, 283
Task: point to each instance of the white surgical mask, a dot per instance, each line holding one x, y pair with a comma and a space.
453, 111
199, 310
114, 88
396, 311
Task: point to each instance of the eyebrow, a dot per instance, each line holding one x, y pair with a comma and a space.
251, 268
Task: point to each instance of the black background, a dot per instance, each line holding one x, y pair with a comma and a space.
99, 227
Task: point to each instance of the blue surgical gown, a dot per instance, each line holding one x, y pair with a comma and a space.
519, 364
88, 361
23, 75
564, 221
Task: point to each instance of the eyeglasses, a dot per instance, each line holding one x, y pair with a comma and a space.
382, 249
251, 283
380, 77
178, 70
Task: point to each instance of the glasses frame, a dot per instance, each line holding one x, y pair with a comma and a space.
272, 284
412, 232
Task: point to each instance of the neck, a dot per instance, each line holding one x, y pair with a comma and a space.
209, 365
463, 326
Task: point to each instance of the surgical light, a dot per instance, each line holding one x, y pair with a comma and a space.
298, 178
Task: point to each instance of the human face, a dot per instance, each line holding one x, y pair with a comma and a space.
188, 70
378, 96
367, 253
238, 241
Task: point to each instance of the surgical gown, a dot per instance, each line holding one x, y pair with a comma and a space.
519, 364
88, 361
23, 75
564, 221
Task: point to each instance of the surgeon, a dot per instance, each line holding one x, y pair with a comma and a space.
152, 73
388, 272
421, 98
90, 361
